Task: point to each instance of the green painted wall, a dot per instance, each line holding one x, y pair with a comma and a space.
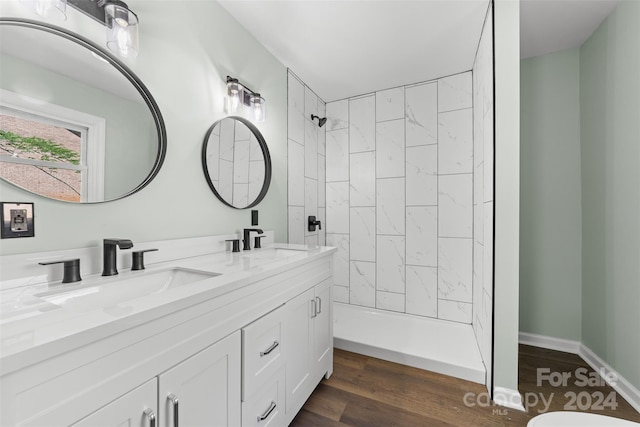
550, 207
610, 129
185, 69
580, 205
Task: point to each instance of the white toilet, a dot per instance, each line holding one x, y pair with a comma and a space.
578, 419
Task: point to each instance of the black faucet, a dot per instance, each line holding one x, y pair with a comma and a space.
109, 254
71, 271
246, 233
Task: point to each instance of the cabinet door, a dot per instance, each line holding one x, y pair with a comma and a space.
136, 408
323, 328
299, 338
204, 389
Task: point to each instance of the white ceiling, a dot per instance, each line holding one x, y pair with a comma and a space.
345, 48
552, 25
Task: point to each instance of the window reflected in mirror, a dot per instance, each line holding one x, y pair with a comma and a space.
44, 156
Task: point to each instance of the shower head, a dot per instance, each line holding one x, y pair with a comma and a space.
321, 120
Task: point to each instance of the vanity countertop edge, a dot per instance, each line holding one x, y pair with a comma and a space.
70, 330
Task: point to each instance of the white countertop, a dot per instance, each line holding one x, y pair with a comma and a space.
29, 324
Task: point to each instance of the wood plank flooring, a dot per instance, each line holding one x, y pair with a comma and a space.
369, 392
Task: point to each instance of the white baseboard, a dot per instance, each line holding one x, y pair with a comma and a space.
623, 387
508, 398
552, 343
627, 390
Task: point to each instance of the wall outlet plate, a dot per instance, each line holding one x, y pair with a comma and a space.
17, 220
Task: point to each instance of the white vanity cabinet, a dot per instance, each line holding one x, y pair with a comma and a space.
135, 409
201, 390
204, 390
248, 356
309, 343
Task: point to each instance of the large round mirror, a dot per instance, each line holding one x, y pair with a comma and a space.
236, 162
75, 123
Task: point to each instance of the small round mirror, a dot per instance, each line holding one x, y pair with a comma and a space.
236, 162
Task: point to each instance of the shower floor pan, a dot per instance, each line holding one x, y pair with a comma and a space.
440, 346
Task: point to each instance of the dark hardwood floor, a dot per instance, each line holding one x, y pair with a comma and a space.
369, 392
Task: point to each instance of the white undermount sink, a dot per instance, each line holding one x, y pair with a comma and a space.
106, 292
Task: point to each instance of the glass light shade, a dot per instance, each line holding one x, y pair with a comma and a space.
122, 29
234, 95
258, 108
50, 9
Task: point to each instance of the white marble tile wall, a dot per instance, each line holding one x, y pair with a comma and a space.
400, 198
422, 235
390, 301
390, 206
362, 289
390, 149
422, 175
390, 265
421, 114
337, 207
362, 178
362, 234
390, 104
362, 124
422, 290
306, 163
455, 198
341, 267
483, 141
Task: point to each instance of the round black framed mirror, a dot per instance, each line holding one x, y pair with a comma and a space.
236, 162
76, 124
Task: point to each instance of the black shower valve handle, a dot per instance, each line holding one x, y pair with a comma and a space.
312, 223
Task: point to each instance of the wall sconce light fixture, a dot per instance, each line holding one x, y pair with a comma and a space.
121, 22
240, 96
122, 29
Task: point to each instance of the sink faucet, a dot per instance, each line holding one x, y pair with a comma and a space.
246, 235
109, 254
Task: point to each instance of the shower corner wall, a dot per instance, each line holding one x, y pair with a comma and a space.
305, 163
483, 210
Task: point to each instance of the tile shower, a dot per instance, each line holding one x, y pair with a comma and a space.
306, 163
399, 192
407, 196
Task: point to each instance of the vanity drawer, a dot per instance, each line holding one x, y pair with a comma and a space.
266, 406
261, 350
